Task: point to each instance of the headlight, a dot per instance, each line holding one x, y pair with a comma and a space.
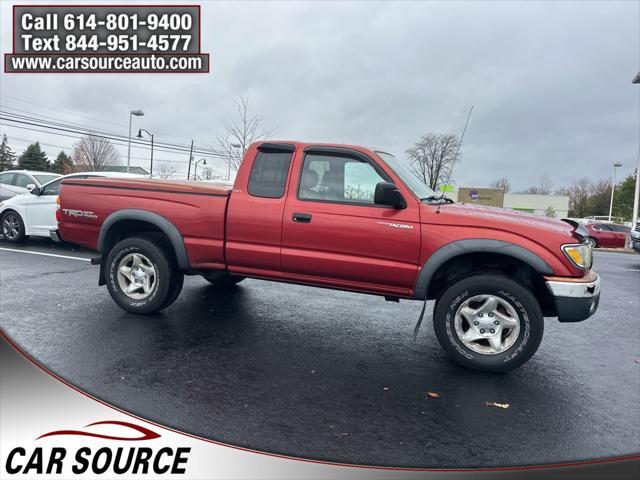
579, 254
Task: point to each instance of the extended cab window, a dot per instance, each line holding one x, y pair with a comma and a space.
338, 179
269, 172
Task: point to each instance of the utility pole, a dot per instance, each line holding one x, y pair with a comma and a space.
190, 158
613, 187
636, 195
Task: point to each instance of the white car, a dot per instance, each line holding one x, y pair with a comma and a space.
16, 182
35, 213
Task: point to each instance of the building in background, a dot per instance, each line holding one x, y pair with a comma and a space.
556, 206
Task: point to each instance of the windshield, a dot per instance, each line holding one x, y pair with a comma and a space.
42, 179
412, 181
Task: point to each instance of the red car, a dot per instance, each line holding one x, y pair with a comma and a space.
347, 218
607, 235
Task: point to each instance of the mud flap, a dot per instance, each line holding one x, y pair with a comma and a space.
420, 318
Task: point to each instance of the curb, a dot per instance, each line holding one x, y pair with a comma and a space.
626, 251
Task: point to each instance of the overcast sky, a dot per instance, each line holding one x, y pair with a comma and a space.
550, 82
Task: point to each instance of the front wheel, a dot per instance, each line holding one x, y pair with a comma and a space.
592, 242
488, 322
13, 227
142, 275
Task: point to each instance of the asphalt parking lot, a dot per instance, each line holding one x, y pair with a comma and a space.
331, 375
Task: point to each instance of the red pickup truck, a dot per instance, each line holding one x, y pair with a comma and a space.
342, 217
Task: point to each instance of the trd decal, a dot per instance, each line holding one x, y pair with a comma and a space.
79, 213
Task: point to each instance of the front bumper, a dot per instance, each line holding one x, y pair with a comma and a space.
575, 299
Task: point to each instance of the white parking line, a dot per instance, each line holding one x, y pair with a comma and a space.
45, 254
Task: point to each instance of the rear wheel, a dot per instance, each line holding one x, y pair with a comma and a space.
142, 276
593, 242
13, 227
488, 322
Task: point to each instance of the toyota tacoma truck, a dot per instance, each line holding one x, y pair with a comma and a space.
342, 217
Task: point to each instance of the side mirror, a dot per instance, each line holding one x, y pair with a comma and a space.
30, 186
388, 194
35, 190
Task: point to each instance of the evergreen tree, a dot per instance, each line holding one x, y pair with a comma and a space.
33, 158
62, 164
7, 157
623, 197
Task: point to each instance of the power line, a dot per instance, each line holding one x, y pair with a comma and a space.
164, 147
97, 132
67, 147
83, 116
59, 110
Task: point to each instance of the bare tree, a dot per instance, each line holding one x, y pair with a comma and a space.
93, 153
579, 197
546, 185
241, 132
432, 157
503, 184
543, 188
165, 171
207, 173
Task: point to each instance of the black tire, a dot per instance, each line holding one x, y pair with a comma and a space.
168, 279
224, 281
593, 242
14, 220
522, 301
174, 289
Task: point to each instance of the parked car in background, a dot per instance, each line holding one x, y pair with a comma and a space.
635, 236
35, 213
16, 182
607, 235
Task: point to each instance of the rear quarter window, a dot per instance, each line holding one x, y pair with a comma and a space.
269, 174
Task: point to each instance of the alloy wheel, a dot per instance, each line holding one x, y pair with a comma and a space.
487, 324
137, 276
10, 226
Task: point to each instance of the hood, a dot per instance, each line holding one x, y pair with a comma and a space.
501, 219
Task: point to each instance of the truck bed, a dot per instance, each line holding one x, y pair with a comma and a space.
197, 209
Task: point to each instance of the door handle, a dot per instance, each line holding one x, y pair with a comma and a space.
302, 217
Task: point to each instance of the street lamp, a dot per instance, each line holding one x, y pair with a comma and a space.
140, 130
137, 113
613, 187
195, 168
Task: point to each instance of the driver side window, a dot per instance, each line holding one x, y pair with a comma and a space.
334, 178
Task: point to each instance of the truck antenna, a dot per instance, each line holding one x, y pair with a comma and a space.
455, 158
